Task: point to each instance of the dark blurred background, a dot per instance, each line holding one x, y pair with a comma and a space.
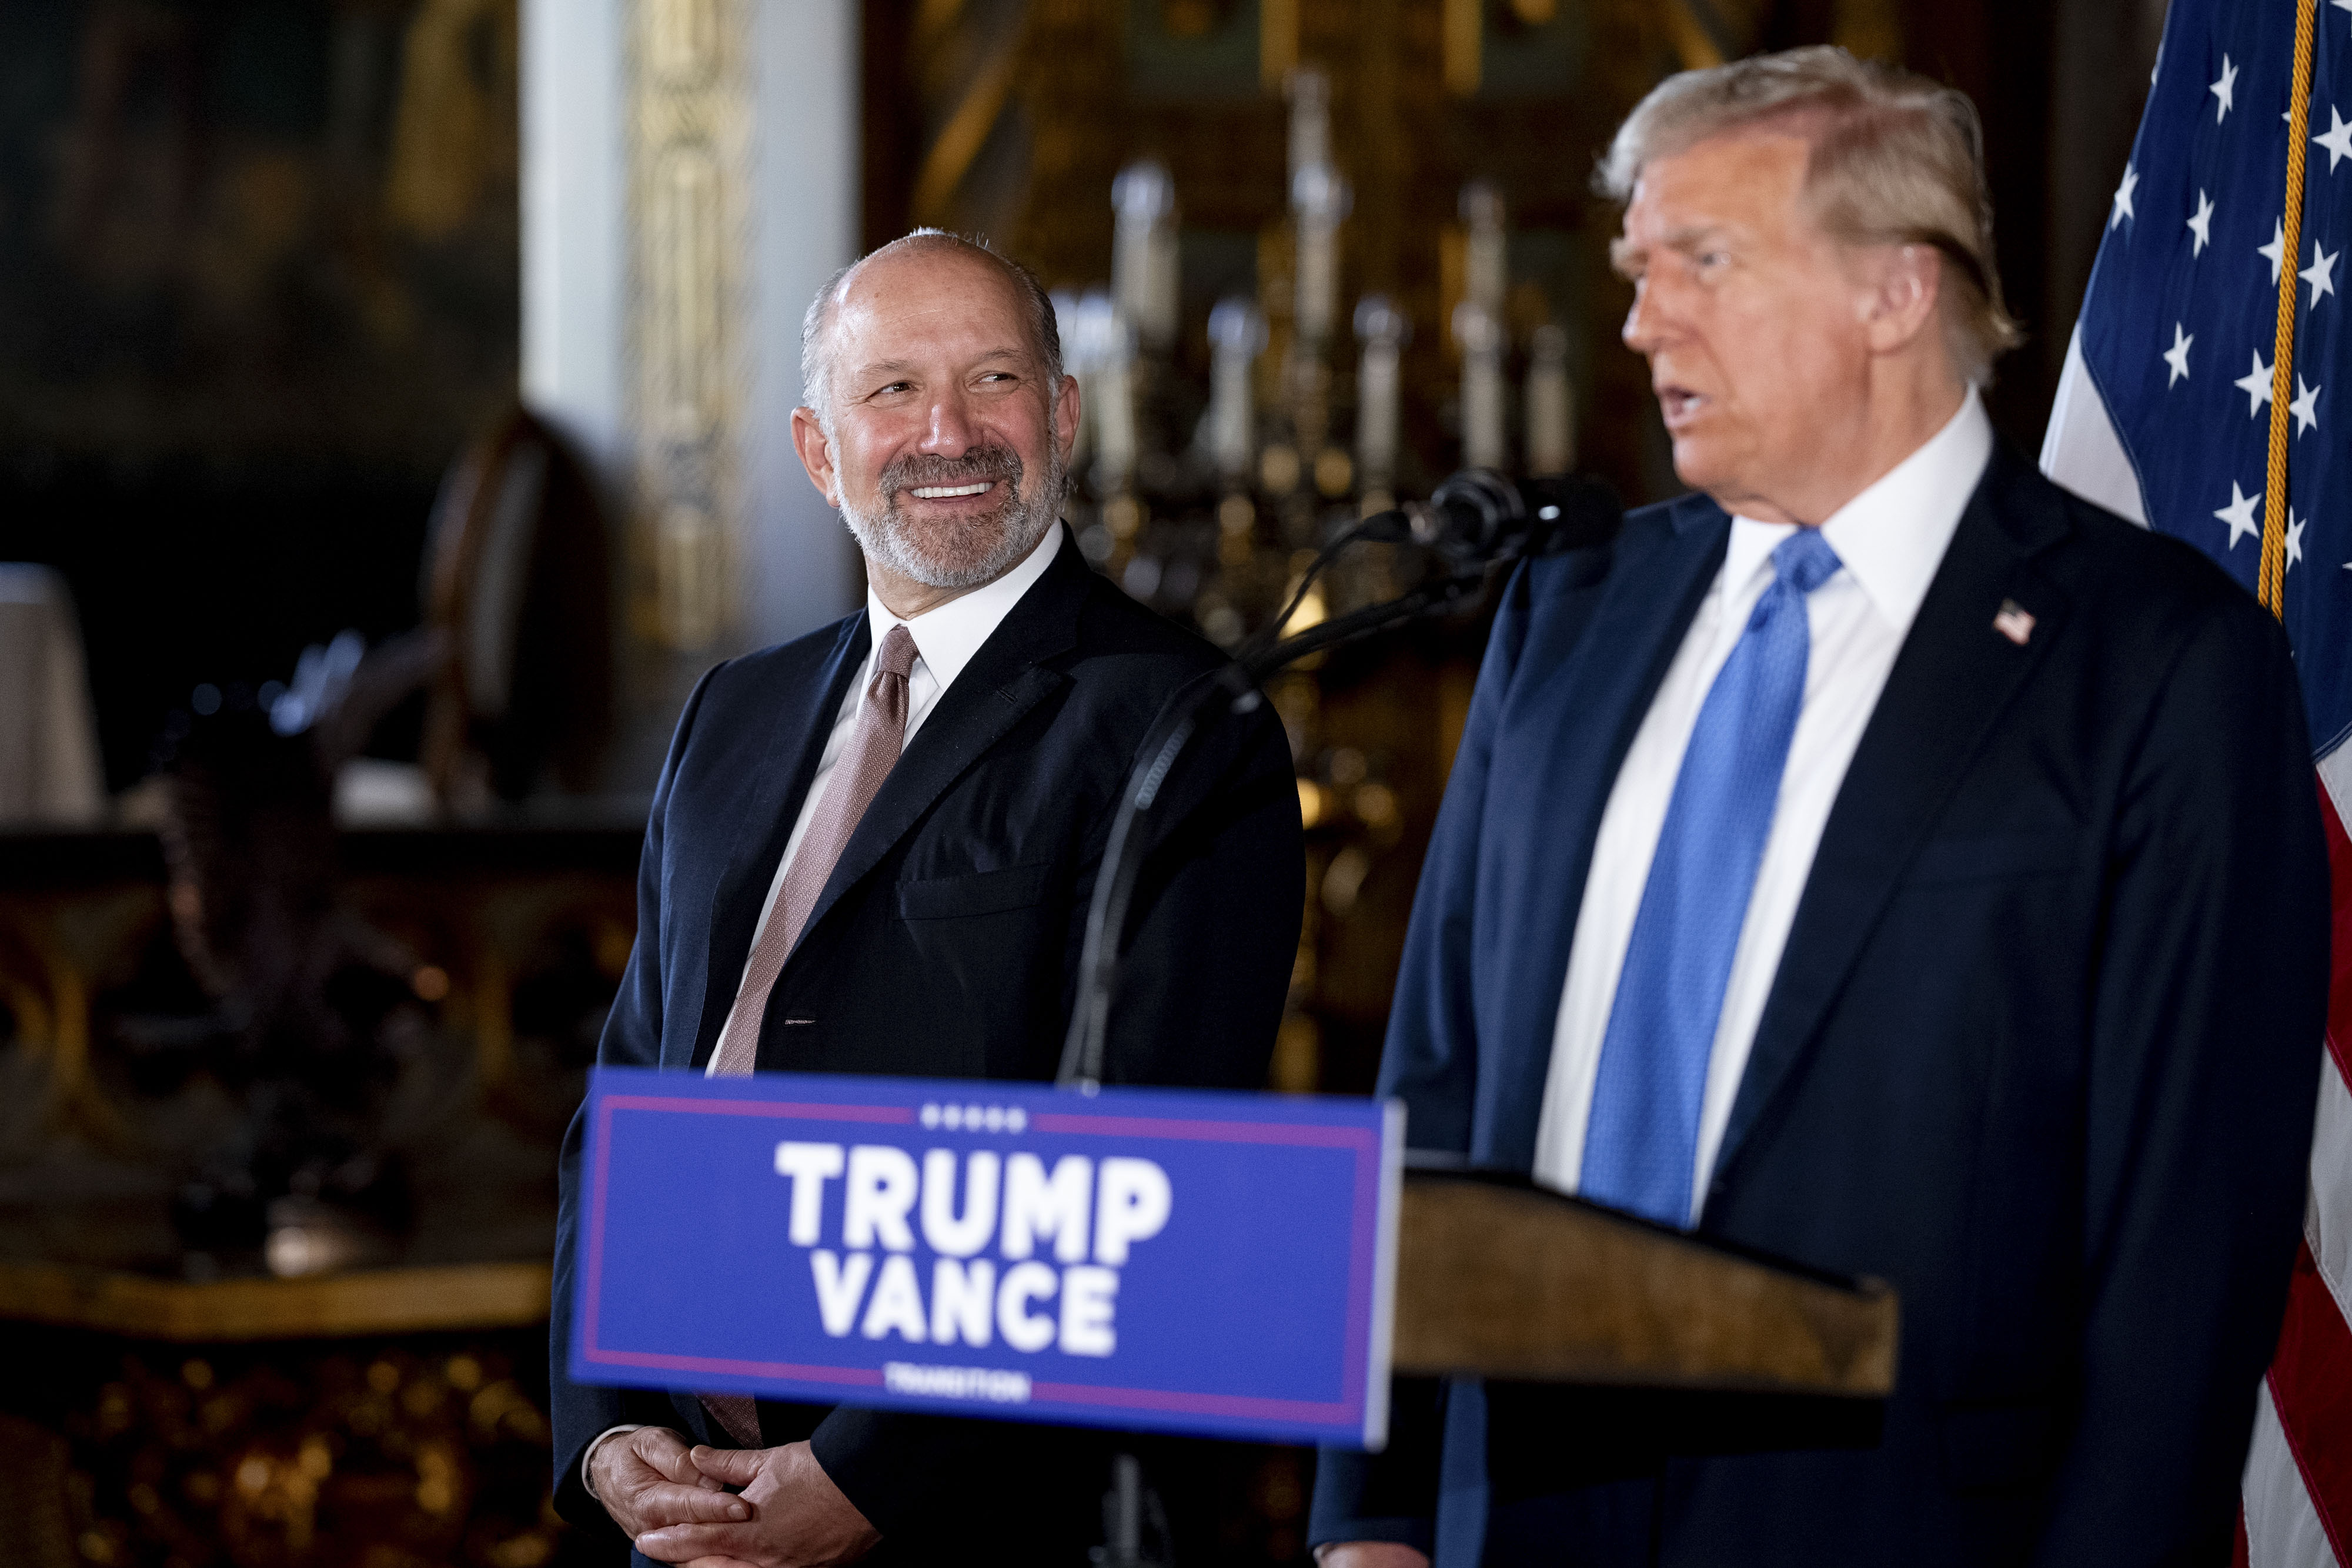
258, 282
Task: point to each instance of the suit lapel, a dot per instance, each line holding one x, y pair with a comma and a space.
1585, 714
795, 747
1954, 676
1003, 682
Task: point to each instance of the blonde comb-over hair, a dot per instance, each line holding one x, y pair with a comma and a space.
1896, 160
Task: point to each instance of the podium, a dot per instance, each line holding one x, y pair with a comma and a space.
1500, 1279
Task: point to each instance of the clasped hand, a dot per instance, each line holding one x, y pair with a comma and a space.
670, 1500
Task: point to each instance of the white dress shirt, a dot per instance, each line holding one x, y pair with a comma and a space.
945, 641
1891, 538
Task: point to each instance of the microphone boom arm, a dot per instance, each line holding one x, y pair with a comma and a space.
1235, 685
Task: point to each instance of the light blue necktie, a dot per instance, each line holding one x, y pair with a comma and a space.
1642, 1141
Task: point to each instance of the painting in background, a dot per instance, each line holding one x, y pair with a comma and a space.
258, 283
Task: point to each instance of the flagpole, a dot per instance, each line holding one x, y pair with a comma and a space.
2272, 585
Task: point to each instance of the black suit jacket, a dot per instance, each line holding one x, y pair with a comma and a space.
2042, 1051
946, 945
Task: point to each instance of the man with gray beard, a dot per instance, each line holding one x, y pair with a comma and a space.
872, 851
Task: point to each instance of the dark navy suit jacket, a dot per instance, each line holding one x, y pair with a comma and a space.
2041, 1053
946, 945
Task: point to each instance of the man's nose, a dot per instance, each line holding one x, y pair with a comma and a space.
948, 431
1646, 323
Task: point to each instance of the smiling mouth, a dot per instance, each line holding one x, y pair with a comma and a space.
951, 492
1679, 403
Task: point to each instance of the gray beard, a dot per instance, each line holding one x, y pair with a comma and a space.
890, 537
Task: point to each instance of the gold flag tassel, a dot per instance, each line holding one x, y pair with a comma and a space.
2272, 586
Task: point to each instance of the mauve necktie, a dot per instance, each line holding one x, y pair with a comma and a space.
1641, 1143
858, 777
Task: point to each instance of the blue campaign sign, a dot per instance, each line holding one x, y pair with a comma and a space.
1168, 1260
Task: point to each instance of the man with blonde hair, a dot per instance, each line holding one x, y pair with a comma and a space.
1885, 858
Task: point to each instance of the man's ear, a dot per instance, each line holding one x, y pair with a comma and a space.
817, 454
1903, 283
1065, 418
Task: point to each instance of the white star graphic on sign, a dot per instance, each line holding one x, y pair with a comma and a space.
2306, 406
2294, 538
2122, 208
2201, 225
2321, 273
2226, 89
2276, 249
2239, 514
2256, 384
2338, 139
2177, 356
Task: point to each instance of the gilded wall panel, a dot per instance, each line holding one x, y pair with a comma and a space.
690, 101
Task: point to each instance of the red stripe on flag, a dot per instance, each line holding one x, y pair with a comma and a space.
2238, 1554
2311, 1382
2311, 1375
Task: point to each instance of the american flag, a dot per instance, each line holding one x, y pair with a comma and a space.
2165, 414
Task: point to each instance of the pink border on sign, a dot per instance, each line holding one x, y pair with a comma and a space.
1363, 1246
780, 1369
1306, 1410
1205, 1132
1362, 1141
809, 1113
770, 1108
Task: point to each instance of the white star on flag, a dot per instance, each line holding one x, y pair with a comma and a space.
2122, 208
2239, 514
2255, 384
2293, 537
2177, 356
2338, 139
2226, 89
2201, 225
2321, 273
2276, 249
2306, 407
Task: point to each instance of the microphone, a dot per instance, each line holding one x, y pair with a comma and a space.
1478, 516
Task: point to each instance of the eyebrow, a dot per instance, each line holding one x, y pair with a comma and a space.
1623, 255
900, 367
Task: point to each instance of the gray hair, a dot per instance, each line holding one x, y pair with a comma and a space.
817, 326
1896, 158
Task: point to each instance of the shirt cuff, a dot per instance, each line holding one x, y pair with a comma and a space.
1421, 1534
1323, 1552
588, 1455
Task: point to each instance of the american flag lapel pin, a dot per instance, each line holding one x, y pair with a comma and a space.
2013, 621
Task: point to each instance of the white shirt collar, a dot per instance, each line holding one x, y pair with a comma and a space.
946, 638
1892, 536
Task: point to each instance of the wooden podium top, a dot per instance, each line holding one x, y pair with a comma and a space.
1494, 1279
1505, 1280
